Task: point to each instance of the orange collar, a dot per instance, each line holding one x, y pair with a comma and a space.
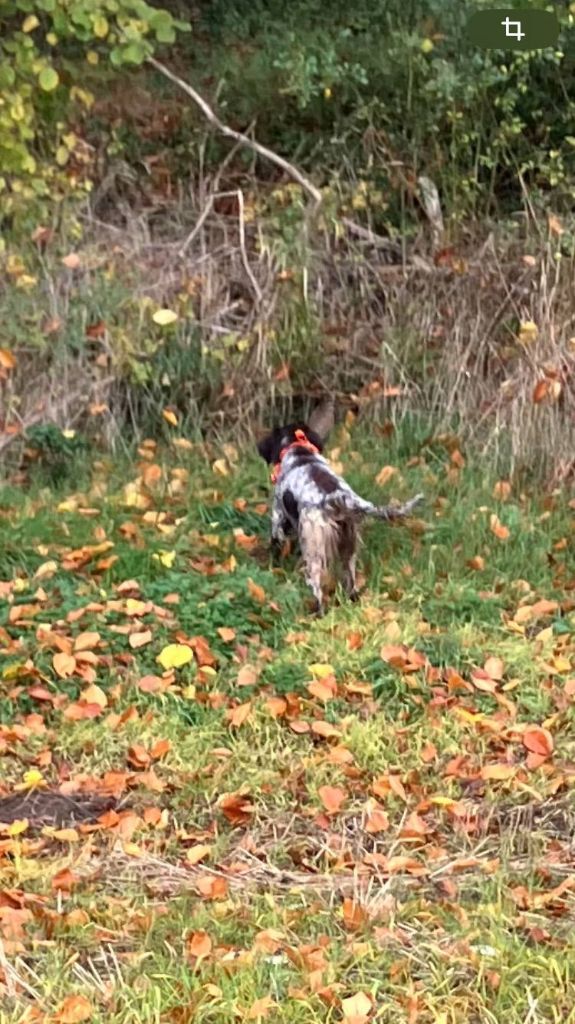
301, 441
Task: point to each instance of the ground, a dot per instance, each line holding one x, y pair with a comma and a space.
216, 807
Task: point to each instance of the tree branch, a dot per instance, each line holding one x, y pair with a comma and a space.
256, 147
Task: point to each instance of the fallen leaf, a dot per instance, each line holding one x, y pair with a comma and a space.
332, 797
199, 945
357, 1008
164, 317
256, 592
538, 740
73, 1010
175, 655
137, 640
260, 1008
64, 664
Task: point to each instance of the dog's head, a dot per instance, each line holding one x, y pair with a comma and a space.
271, 446
317, 431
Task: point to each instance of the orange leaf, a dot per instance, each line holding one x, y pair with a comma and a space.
73, 1010
497, 528
150, 684
160, 749
376, 818
356, 1008
323, 689
138, 756
64, 880
276, 706
428, 753
199, 945
260, 1008
64, 664
540, 390
137, 640
227, 634
538, 740
238, 715
247, 676
86, 641
324, 729
397, 787
497, 772
354, 915
258, 593
332, 798
494, 668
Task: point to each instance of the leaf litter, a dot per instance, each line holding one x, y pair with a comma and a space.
163, 761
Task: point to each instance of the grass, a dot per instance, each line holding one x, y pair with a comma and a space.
314, 820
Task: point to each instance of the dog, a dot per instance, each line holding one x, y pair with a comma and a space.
317, 505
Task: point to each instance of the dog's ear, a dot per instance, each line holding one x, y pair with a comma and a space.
267, 447
322, 419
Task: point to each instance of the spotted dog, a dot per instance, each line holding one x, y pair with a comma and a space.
317, 505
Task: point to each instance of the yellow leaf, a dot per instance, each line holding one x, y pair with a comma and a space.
427, 45
528, 332
174, 656
220, 466
64, 664
30, 23
17, 827
321, 669
32, 778
166, 558
92, 57
170, 417
101, 26
164, 317
46, 570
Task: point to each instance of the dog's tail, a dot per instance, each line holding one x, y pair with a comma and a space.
343, 505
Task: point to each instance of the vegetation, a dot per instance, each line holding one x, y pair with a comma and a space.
213, 807
364, 817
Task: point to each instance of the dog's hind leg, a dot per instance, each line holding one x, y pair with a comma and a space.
348, 541
313, 535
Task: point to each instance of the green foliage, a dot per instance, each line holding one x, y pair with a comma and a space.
381, 91
44, 58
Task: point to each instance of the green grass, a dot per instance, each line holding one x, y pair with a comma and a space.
472, 924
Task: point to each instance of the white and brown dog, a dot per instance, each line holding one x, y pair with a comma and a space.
312, 501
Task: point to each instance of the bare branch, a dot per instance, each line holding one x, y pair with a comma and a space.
225, 129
